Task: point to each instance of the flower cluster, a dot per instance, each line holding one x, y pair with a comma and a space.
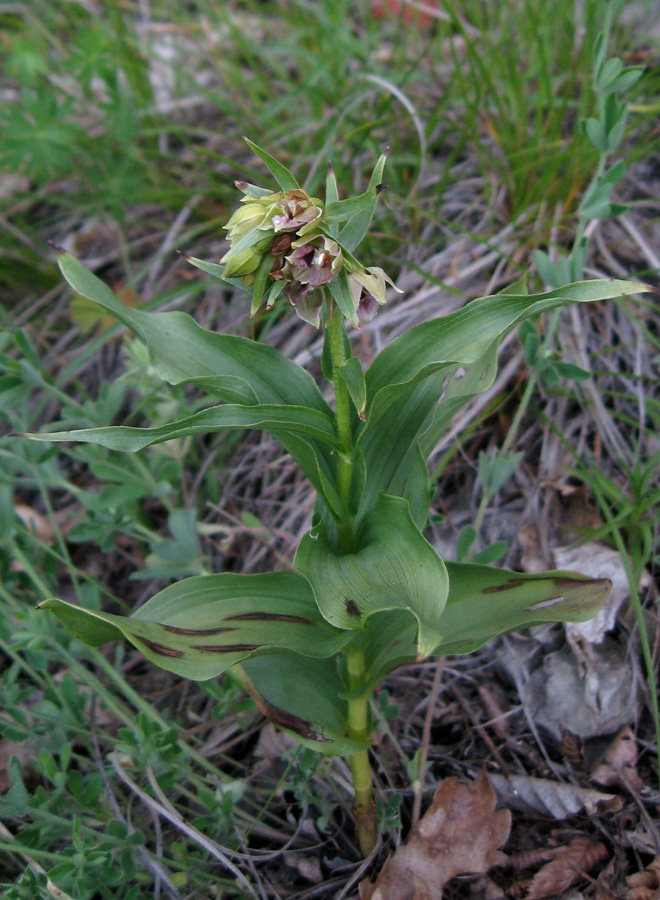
280, 243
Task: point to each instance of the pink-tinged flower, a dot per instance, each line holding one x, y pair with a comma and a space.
368, 291
306, 301
299, 212
314, 260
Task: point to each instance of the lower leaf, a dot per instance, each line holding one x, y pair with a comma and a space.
304, 697
203, 625
483, 603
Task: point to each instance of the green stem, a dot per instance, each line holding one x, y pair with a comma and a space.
358, 708
358, 729
343, 418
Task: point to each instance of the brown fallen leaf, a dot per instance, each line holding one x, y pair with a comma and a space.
461, 833
645, 885
552, 798
567, 868
617, 766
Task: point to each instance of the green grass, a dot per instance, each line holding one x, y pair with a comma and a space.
497, 89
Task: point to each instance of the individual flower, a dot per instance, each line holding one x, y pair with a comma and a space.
368, 290
300, 212
306, 302
314, 260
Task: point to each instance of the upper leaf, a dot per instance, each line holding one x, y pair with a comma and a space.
231, 368
448, 360
201, 626
181, 350
353, 232
276, 419
393, 568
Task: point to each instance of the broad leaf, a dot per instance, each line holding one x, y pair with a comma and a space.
275, 419
181, 351
393, 567
484, 602
304, 696
202, 626
448, 360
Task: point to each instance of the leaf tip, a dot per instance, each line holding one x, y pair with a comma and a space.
184, 254
59, 251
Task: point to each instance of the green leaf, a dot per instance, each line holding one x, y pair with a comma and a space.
570, 370
393, 568
304, 696
261, 283
181, 351
214, 269
202, 626
353, 377
483, 603
495, 470
354, 231
341, 294
595, 134
466, 539
275, 419
279, 172
420, 380
491, 553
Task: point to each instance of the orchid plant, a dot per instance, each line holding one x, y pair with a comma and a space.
367, 592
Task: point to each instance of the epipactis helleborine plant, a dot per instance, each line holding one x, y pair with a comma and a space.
368, 593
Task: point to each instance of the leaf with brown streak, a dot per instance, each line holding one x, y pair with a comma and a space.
461, 833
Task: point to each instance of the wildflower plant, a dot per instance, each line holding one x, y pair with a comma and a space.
368, 592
